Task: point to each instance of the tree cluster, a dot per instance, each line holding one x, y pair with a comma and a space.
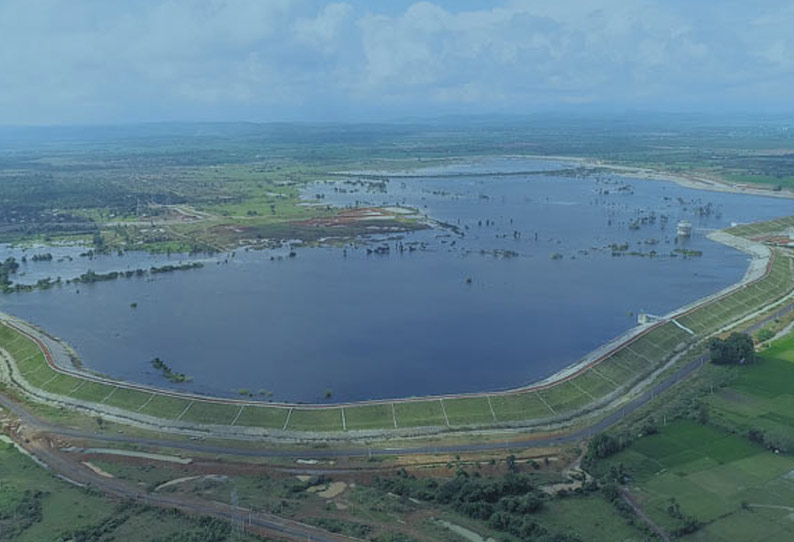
737, 349
7, 268
507, 503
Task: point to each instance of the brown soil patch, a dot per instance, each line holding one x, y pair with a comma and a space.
348, 216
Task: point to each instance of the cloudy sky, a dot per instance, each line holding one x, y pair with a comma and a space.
99, 61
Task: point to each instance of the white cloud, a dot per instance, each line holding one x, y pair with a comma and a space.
90, 60
323, 31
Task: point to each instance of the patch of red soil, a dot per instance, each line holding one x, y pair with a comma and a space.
347, 216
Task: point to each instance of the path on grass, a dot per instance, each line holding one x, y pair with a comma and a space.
773, 507
628, 499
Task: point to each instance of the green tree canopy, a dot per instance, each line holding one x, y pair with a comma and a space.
738, 348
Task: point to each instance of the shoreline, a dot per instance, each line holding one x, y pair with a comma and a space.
62, 361
758, 267
695, 182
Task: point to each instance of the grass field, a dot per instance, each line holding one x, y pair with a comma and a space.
722, 480
590, 518
761, 396
36, 506
738, 486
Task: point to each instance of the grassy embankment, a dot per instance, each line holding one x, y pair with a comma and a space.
617, 372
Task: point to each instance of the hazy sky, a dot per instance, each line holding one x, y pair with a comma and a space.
86, 61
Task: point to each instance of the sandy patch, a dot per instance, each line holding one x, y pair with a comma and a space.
176, 481
334, 489
98, 470
329, 491
143, 455
463, 532
399, 210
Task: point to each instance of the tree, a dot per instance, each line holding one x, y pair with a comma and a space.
603, 445
511, 463
765, 334
737, 349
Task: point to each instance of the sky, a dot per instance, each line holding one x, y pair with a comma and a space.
109, 61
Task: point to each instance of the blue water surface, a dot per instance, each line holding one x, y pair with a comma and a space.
479, 304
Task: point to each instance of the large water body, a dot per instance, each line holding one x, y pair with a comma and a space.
409, 322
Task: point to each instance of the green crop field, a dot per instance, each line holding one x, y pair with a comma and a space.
721, 479
761, 396
591, 518
731, 481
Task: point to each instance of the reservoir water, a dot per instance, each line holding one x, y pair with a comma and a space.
528, 274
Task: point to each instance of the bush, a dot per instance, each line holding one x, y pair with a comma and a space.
764, 335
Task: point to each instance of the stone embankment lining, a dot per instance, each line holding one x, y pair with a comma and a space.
759, 268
